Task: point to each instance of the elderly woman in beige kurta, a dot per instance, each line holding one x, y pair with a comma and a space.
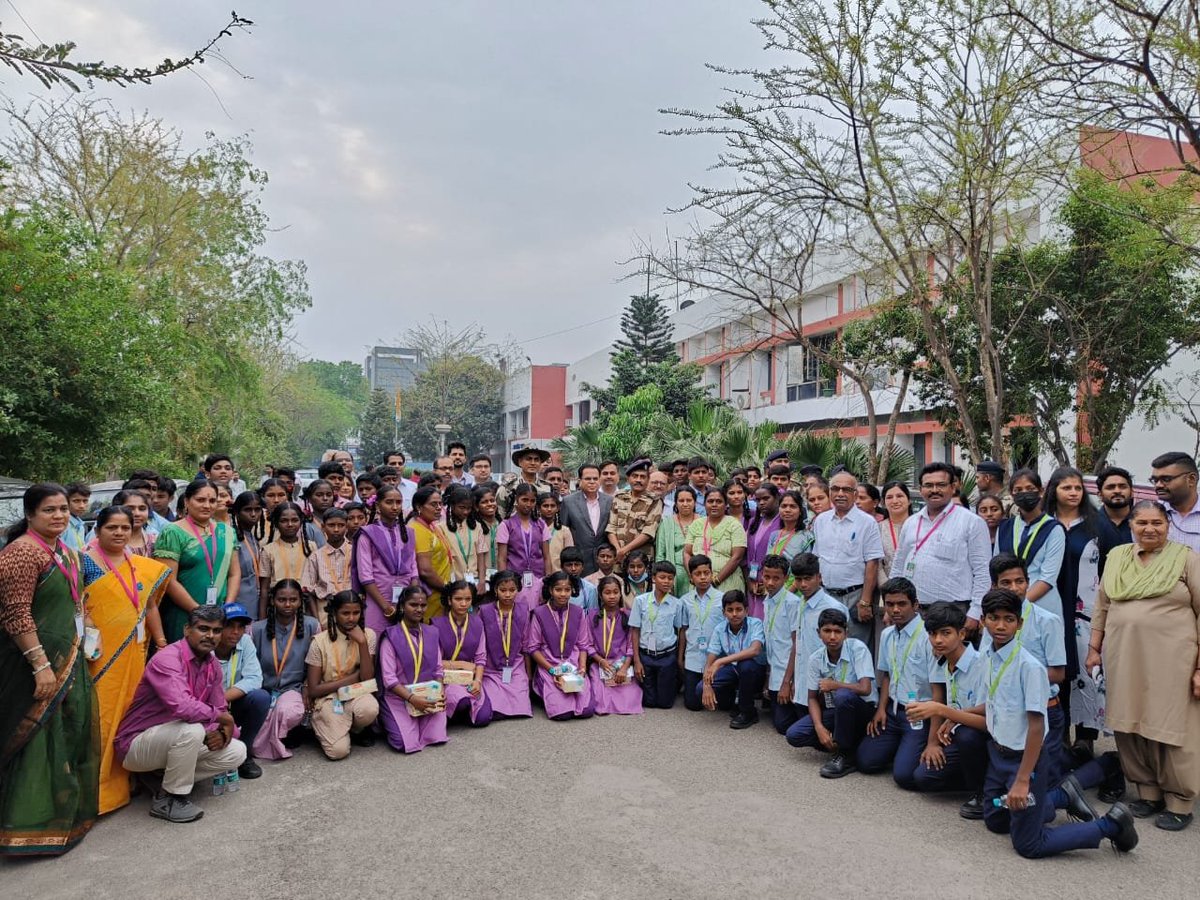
1146, 627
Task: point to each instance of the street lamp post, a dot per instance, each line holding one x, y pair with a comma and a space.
442, 430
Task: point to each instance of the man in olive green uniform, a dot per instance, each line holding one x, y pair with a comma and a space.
633, 522
530, 461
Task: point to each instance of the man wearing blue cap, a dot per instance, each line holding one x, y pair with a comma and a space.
242, 676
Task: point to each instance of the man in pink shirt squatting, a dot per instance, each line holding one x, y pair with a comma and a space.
179, 721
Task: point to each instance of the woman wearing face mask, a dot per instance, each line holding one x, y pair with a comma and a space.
1036, 538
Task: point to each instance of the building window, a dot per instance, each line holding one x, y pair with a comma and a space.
518, 423
585, 412
807, 375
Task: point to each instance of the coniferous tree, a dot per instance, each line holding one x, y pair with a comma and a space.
378, 432
647, 329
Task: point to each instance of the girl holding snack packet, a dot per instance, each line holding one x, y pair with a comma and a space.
413, 712
464, 654
558, 643
610, 676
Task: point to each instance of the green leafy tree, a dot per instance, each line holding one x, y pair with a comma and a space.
466, 393
377, 433
646, 355
343, 379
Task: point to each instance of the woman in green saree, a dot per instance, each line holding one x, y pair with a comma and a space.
49, 725
672, 535
202, 554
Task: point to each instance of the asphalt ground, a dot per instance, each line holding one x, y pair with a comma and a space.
670, 804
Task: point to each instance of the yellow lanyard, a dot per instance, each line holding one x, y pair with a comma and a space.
897, 676
562, 638
994, 684
458, 638
505, 631
418, 651
608, 633
233, 661
287, 557
279, 664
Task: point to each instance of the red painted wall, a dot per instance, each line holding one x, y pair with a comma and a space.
548, 400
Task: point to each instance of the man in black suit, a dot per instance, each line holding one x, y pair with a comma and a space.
585, 512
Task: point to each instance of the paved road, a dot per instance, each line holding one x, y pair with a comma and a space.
670, 804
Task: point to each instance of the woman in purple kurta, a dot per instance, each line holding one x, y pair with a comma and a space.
384, 559
461, 637
523, 545
505, 671
558, 633
611, 658
758, 534
410, 652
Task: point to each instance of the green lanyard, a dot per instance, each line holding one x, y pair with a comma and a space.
773, 617
466, 552
1029, 541
842, 671
233, 669
897, 676
994, 684
655, 608
953, 676
708, 601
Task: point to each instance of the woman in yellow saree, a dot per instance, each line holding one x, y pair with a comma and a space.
121, 596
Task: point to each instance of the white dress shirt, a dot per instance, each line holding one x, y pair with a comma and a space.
845, 544
946, 557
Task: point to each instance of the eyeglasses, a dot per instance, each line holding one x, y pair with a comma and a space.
1166, 479
935, 485
835, 489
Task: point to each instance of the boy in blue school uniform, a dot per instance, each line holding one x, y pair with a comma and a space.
813, 600
958, 761
1042, 636
736, 663
781, 618
583, 592
840, 685
905, 661
699, 614
1015, 790
654, 635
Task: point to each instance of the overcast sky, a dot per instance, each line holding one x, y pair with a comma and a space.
483, 161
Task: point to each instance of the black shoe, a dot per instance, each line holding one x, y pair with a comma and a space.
364, 738
973, 808
741, 720
837, 767
1081, 752
1144, 809
1169, 821
1112, 788
1077, 806
250, 769
1126, 838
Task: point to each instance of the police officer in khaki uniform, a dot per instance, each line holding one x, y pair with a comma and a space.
633, 522
530, 461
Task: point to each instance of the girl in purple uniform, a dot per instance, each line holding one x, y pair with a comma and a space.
558, 633
613, 687
463, 648
506, 668
522, 545
384, 560
411, 653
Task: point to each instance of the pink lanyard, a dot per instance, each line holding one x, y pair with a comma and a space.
209, 552
936, 525
71, 572
130, 591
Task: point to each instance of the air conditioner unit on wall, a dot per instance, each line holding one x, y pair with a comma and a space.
742, 401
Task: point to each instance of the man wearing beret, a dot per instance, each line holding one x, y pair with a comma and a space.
633, 523
989, 479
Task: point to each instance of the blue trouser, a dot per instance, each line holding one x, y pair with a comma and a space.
691, 689
661, 681
847, 721
898, 745
783, 715
1031, 838
966, 764
249, 712
744, 678
1053, 751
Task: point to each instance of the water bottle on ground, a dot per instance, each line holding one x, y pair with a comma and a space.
1002, 802
218, 785
232, 782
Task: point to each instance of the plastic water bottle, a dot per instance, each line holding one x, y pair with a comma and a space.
232, 782
918, 725
218, 785
1002, 802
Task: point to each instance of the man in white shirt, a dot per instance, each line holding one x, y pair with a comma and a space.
1174, 478
944, 549
848, 544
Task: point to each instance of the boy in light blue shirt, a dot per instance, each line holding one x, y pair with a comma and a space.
958, 679
243, 682
905, 660
654, 637
813, 600
840, 686
781, 618
700, 613
1015, 790
79, 496
736, 663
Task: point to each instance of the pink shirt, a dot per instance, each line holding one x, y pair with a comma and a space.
593, 508
176, 687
